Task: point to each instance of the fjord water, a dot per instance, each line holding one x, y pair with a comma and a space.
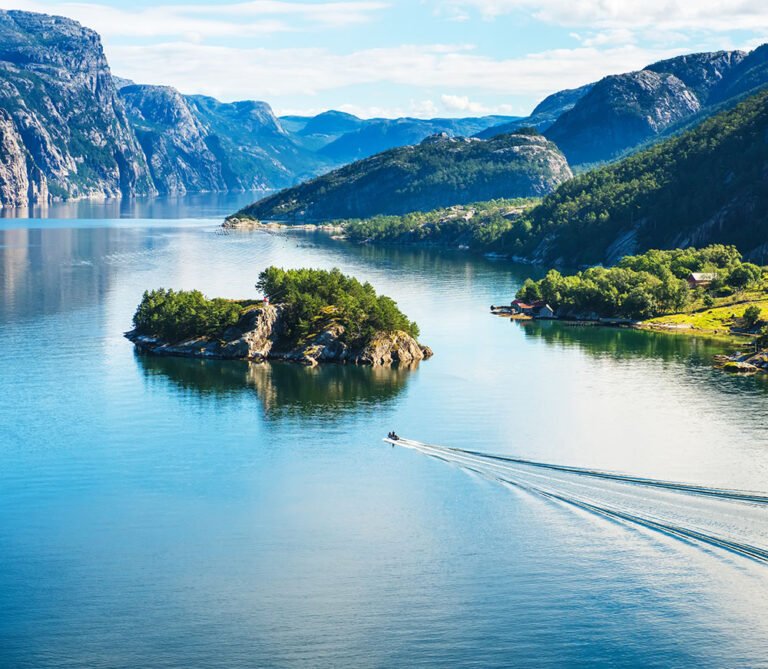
179, 513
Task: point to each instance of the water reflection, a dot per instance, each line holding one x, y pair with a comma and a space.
193, 205
284, 389
623, 342
426, 260
47, 271
695, 352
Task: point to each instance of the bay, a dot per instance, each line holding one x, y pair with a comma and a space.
177, 513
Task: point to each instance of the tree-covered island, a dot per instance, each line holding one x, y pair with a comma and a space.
307, 316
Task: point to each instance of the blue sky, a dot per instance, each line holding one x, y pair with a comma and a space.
402, 57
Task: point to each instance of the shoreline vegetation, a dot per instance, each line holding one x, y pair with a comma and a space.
709, 291
475, 227
665, 196
307, 316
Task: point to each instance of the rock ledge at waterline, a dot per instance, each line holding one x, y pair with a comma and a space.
258, 336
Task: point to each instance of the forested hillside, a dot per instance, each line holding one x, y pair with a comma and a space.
440, 171
707, 186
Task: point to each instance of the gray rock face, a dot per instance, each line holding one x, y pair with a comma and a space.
701, 72
173, 139
259, 330
259, 336
620, 112
253, 148
14, 181
394, 347
70, 123
57, 91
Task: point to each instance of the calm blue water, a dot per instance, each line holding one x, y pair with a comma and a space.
175, 513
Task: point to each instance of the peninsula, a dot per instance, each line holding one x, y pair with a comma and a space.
693, 291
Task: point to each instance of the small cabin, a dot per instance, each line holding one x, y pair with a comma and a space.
701, 279
538, 309
520, 307
544, 311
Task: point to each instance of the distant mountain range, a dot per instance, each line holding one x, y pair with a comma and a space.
63, 130
69, 129
439, 171
707, 185
196, 143
342, 138
609, 118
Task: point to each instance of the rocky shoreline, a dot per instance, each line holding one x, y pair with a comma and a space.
743, 363
244, 223
258, 336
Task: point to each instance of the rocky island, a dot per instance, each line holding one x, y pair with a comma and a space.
317, 316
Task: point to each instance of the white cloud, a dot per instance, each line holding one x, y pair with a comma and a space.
424, 109
230, 73
207, 21
613, 37
181, 45
665, 15
462, 103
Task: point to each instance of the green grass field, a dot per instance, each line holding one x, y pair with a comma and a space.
720, 318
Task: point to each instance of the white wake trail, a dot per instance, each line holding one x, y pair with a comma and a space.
734, 520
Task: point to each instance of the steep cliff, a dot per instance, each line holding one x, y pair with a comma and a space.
21, 182
621, 111
72, 130
60, 99
440, 171
624, 112
173, 139
702, 72
252, 146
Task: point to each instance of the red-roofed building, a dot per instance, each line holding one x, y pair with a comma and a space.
537, 309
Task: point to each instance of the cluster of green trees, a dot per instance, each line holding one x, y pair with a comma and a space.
644, 286
476, 225
313, 297
177, 315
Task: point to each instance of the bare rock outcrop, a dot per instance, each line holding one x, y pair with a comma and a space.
259, 335
62, 119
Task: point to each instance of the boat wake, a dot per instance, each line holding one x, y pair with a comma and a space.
733, 520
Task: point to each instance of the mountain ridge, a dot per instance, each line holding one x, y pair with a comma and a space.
70, 129
64, 125
706, 186
439, 171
